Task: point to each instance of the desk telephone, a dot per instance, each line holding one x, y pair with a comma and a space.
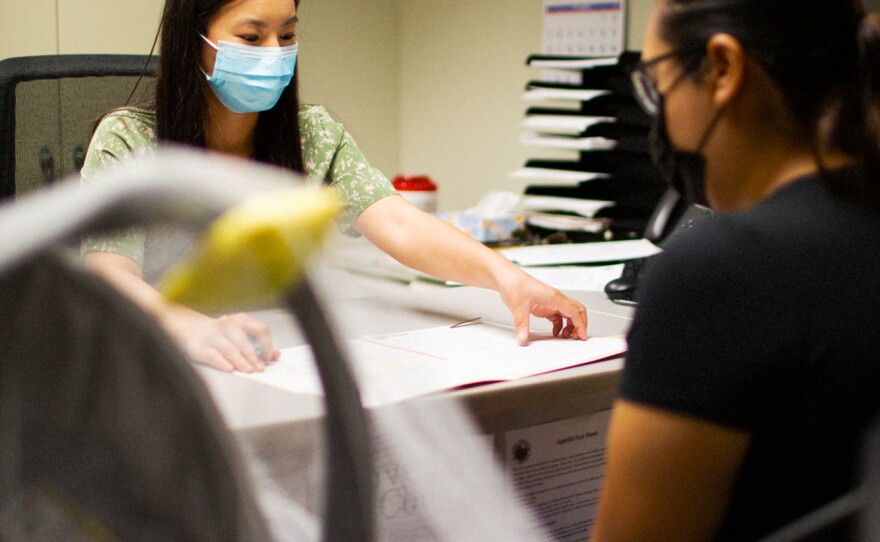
671, 215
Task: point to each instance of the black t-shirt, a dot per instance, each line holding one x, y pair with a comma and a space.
768, 320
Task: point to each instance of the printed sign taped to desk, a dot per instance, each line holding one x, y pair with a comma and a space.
556, 470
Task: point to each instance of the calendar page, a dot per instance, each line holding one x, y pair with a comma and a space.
574, 28
581, 29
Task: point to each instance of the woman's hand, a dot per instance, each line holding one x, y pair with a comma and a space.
237, 342
525, 296
424, 242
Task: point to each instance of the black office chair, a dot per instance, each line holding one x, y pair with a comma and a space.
853, 516
869, 524
49, 106
106, 432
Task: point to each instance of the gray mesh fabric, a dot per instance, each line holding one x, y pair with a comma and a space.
49, 106
106, 433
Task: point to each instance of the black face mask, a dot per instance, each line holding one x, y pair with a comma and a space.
685, 171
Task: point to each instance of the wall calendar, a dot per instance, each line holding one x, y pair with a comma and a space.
583, 28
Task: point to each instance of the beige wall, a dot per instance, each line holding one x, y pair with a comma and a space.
45, 27
463, 76
108, 26
348, 62
424, 86
637, 19
28, 27
463, 65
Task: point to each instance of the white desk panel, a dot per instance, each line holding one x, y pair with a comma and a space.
365, 306
283, 430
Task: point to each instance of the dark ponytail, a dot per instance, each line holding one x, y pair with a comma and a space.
856, 128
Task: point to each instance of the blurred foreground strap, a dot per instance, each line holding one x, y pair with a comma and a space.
254, 252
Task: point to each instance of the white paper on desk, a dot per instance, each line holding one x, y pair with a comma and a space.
573, 253
577, 278
400, 366
295, 371
490, 352
385, 375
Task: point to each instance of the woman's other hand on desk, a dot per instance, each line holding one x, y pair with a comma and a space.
236, 342
525, 296
229, 343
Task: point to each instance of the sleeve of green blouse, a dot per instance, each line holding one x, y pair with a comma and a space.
331, 154
119, 135
361, 184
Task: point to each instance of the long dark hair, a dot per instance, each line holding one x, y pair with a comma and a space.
824, 56
179, 98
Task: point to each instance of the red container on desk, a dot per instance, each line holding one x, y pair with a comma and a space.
420, 190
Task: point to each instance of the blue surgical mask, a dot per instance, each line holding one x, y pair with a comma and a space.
249, 79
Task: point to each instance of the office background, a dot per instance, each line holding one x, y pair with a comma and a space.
424, 86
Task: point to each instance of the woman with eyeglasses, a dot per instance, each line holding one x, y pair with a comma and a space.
227, 82
752, 371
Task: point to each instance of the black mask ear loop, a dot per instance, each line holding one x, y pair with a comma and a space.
685, 171
709, 129
697, 185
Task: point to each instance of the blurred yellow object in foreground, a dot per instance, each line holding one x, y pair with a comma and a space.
253, 252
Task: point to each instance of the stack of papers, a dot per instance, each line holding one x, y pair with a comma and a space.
400, 366
580, 95
562, 124
579, 206
573, 63
563, 177
536, 139
575, 253
564, 214
567, 223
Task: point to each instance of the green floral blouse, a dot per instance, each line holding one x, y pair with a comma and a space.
329, 152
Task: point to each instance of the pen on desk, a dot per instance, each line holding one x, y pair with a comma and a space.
474, 320
258, 348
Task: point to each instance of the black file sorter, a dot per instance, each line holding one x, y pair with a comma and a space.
622, 155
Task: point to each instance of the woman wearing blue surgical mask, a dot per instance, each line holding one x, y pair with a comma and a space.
752, 375
228, 82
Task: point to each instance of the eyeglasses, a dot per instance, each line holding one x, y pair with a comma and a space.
645, 89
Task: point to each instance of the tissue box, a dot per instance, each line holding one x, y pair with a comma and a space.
482, 228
